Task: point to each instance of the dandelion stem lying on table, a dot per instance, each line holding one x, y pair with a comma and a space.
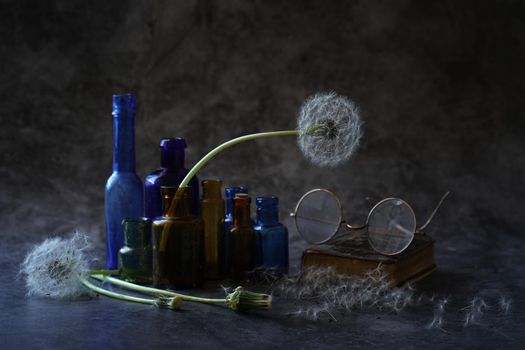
156, 291
239, 300
161, 302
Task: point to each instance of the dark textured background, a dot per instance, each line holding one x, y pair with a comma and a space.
440, 85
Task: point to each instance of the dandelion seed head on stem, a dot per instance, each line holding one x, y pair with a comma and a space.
56, 267
340, 132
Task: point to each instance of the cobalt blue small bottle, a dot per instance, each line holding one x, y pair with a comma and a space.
170, 174
228, 220
124, 193
271, 236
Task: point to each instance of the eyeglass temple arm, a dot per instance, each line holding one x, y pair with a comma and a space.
433, 213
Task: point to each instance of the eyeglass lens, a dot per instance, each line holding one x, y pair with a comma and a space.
391, 226
318, 216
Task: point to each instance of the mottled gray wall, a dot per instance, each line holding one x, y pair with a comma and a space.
440, 85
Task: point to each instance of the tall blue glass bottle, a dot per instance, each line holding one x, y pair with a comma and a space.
271, 236
228, 220
170, 174
124, 193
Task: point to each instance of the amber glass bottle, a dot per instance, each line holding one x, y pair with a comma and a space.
212, 210
241, 239
177, 243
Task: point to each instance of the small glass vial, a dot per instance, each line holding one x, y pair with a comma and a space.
228, 221
241, 257
212, 209
272, 236
178, 243
134, 259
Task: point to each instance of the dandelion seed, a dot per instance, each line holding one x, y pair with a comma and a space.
439, 310
504, 304
474, 311
313, 312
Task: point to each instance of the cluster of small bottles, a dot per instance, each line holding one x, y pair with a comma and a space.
201, 238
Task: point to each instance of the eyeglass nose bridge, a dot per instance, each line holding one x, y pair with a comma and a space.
353, 227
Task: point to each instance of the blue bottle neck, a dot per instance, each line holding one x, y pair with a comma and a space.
267, 211
172, 153
230, 195
124, 142
169, 160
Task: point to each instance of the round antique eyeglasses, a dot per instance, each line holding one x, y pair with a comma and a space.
391, 223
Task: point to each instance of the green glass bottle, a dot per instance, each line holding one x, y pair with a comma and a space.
241, 240
134, 259
177, 243
212, 210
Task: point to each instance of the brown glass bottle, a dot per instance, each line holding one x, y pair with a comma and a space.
177, 243
212, 210
241, 239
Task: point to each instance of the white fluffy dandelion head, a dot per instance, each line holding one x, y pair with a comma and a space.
339, 136
56, 267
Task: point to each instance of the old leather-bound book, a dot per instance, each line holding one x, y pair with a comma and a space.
353, 255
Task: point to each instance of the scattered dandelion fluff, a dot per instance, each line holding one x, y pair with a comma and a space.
340, 133
474, 311
504, 304
56, 267
314, 312
324, 290
439, 311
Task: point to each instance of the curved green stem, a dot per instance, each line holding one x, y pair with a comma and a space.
119, 296
104, 272
162, 302
240, 139
149, 290
230, 143
213, 153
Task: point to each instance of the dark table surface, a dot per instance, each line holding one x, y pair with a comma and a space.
466, 270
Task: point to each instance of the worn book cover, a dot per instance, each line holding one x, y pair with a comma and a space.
353, 255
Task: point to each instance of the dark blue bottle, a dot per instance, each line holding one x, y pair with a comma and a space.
271, 236
170, 174
228, 220
124, 194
